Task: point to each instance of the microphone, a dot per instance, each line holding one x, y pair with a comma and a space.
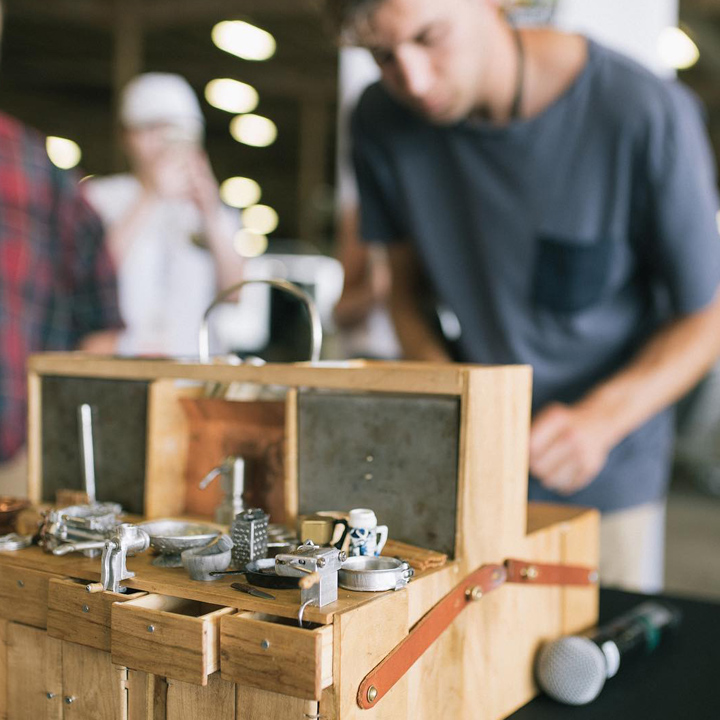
573, 669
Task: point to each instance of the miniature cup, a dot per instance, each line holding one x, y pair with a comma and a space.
366, 536
322, 529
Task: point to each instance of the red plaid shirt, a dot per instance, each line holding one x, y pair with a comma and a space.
57, 282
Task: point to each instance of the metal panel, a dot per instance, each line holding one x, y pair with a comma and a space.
119, 409
396, 454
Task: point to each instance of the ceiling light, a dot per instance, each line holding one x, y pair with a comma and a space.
253, 130
231, 95
249, 244
244, 40
240, 192
676, 49
62, 152
260, 219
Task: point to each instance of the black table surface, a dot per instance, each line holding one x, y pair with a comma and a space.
680, 679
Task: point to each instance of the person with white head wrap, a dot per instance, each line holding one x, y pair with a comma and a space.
169, 233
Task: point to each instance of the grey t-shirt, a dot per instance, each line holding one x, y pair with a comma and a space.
562, 241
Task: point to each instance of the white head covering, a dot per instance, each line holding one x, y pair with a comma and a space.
155, 98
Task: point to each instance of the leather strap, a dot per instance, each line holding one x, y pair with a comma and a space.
384, 676
531, 573
380, 680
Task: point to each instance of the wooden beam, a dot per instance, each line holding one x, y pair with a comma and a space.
127, 61
314, 131
83, 12
168, 13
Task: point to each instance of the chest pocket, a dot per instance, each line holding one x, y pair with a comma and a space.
568, 276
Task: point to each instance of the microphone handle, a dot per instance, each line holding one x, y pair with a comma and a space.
638, 630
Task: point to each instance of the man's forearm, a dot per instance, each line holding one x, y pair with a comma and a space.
417, 340
569, 445
669, 365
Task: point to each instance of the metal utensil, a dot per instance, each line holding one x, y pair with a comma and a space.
249, 535
374, 574
13, 542
170, 537
250, 590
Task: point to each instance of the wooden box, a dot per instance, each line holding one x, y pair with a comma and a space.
334, 448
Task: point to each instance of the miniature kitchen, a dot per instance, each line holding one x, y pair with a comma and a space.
290, 541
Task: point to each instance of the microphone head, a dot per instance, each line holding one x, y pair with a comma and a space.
571, 670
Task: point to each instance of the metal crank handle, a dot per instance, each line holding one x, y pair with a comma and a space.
308, 581
78, 547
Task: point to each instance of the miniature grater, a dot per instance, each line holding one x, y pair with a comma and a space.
250, 536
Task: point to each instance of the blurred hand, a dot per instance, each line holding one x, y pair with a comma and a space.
204, 190
169, 174
569, 446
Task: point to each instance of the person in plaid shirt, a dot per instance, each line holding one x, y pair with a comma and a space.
57, 282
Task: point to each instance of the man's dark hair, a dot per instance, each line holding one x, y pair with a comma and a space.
344, 14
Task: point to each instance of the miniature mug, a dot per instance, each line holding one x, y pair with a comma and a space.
366, 536
321, 529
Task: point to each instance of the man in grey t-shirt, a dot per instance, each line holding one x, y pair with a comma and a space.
561, 200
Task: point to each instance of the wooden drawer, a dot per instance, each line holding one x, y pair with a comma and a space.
167, 636
24, 595
273, 653
82, 617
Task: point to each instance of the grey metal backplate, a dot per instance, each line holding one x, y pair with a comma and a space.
119, 409
395, 454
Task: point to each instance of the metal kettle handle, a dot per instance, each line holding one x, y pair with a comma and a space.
288, 287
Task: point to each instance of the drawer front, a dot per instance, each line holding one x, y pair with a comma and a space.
24, 595
271, 655
177, 645
79, 616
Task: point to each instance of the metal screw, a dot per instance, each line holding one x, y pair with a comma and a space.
86, 608
474, 593
369, 458
49, 695
21, 584
321, 562
372, 693
69, 699
265, 644
368, 476
530, 572
151, 628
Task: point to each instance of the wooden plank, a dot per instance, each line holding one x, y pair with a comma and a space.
495, 423
254, 704
3, 669
34, 674
580, 538
24, 595
95, 685
167, 448
147, 696
34, 438
362, 639
268, 654
175, 582
81, 617
425, 378
541, 516
167, 636
190, 702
